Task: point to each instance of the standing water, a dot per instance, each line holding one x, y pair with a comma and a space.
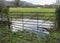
32, 25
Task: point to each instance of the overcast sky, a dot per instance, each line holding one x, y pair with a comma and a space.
42, 2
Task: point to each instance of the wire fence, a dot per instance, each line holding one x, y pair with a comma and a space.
29, 27
34, 22
34, 18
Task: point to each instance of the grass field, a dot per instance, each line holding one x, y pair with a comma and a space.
32, 10
15, 12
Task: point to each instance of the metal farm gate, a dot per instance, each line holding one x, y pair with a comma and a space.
39, 23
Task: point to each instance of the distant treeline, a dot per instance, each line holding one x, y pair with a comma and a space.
24, 4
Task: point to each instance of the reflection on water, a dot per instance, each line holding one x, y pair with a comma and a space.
32, 26
20, 24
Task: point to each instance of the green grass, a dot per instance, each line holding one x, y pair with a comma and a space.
15, 12
32, 10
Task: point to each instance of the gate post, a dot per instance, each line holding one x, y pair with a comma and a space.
58, 15
58, 19
4, 14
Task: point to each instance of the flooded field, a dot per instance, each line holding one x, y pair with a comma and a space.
20, 24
